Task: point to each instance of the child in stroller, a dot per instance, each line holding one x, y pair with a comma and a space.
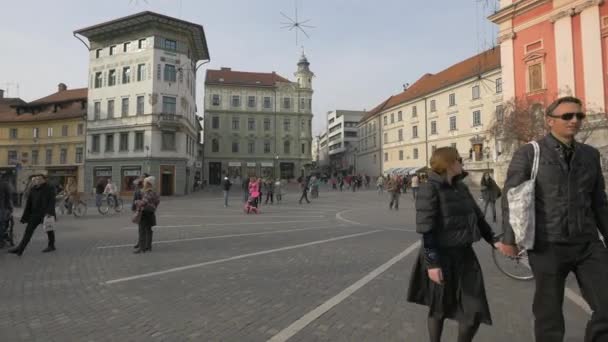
252, 203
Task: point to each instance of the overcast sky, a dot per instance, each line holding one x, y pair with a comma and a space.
361, 51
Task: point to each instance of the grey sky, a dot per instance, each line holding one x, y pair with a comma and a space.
361, 51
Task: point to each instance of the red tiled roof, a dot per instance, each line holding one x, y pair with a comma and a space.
71, 111
7, 102
242, 78
371, 113
63, 96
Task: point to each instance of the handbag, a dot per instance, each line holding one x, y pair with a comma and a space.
48, 224
136, 218
521, 200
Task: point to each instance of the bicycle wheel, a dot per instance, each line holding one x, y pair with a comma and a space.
118, 205
517, 268
103, 207
79, 209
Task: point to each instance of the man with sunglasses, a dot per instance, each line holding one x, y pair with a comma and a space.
571, 207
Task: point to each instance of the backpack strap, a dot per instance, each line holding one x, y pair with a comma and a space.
536, 162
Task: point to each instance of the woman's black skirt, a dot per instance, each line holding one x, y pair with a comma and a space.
462, 297
148, 218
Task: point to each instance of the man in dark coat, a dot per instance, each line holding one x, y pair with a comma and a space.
6, 208
40, 205
570, 208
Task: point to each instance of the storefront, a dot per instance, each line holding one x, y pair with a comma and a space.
59, 176
234, 170
101, 174
251, 169
267, 169
128, 176
287, 171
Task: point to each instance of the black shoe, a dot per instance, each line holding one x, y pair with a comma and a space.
48, 249
136, 246
139, 250
15, 250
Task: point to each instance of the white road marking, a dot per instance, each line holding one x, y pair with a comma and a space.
339, 217
265, 216
221, 236
229, 224
242, 256
308, 318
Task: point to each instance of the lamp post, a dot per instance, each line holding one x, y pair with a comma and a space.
276, 165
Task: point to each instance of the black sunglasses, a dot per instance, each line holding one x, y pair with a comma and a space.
568, 116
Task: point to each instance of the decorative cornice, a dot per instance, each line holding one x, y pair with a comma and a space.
514, 9
506, 36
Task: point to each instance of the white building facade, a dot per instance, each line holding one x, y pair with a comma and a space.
258, 124
141, 109
369, 156
342, 139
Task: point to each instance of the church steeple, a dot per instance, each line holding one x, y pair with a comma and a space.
304, 75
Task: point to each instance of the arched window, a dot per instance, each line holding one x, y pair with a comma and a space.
215, 145
286, 147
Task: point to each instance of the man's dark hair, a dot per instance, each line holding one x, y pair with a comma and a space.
565, 99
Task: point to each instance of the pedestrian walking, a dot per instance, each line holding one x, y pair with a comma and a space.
6, 209
380, 185
254, 190
39, 210
304, 188
490, 192
341, 183
570, 209
278, 189
137, 196
269, 190
447, 276
392, 187
415, 184
147, 206
226, 185
245, 188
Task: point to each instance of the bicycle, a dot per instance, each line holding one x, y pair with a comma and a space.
78, 209
109, 201
517, 267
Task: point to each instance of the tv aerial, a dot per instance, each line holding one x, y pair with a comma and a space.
294, 24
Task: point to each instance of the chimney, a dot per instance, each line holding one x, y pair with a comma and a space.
225, 69
1, 93
62, 87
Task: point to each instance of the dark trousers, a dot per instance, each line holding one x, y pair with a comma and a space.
304, 196
145, 236
551, 263
29, 231
394, 200
414, 192
492, 205
270, 195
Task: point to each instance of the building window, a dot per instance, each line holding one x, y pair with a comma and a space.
215, 145
80, 129
49, 132
433, 148
500, 115
236, 101
170, 73
385, 120
251, 101
477, 118
139, 141
251, 147
251, 124
498, 85
124, 111
141, 72
287, 147
36, 132
235, 147
170, 45
453, 145
286, 125
414, 111
414, 132
399, 116
400, 133
112, 50
433, 127
168, 141
236, 123
110, 109
126, 75
63, 156
141, 44
415, 153
64, 130
385, 138
49, 157
169, 105
286, 103
401, 155
215, 122
95, 143
215, 100
452, 123
433, 106
392, 118
535, 77
123, 144
13, 133
35, 157
98, 53
96, 110
452, 99
303, 148
12, 158
98, 80
112, 77
302, 104
266, 146
140, 105
266, 124
109, 142
267, 103
385, 156
476, 93
79, 155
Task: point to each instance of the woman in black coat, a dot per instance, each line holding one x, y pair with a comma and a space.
447, 277
490, 192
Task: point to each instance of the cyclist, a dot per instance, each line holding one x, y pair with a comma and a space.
71, 192
110, 191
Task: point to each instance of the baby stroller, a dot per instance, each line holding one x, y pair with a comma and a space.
252, 203
8, 237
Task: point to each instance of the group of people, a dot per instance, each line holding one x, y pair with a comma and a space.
254, 189
350, 182
570, 215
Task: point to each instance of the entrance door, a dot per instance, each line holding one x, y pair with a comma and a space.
167, 180
215, 173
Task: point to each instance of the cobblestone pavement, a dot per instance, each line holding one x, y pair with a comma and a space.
333, 270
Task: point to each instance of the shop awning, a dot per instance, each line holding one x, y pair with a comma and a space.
416, 170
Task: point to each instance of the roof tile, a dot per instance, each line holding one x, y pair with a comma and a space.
242, 78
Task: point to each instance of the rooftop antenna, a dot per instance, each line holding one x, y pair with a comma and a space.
295, 23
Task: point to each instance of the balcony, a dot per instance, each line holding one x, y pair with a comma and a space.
167, 121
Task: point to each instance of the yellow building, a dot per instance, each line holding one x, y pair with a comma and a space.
46, 135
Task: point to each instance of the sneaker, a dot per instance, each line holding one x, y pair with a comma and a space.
48, 249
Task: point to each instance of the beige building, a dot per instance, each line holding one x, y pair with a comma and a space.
257, 124
369, 157
455, 107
